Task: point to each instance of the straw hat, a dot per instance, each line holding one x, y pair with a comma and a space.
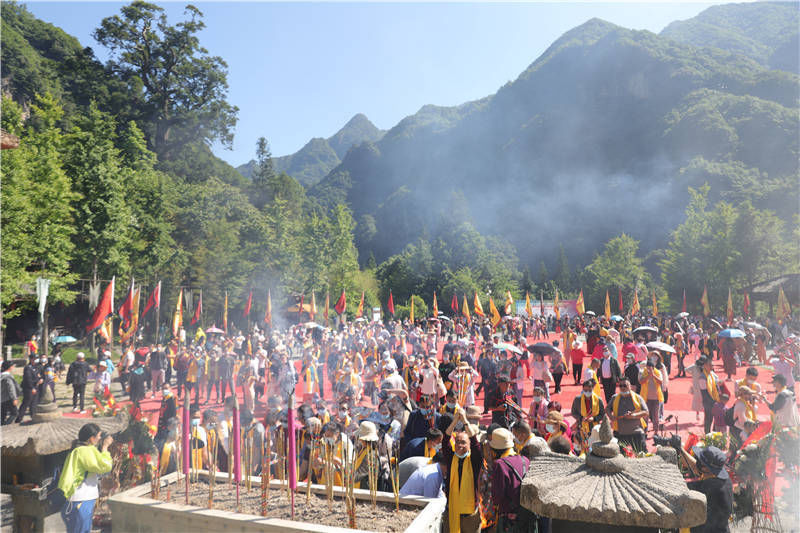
463, 365
502, 439
367, 431
554, 417
473, 413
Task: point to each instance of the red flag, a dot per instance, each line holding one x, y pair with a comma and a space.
621, 308
454, 303
683, 307
104, 309
268, 312
341, 304
746, 305
154, 300
198, 310
126, 309
390, 305
248, 304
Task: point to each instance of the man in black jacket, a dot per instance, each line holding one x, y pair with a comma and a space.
609, 373
31, 379
9, 391
77, 377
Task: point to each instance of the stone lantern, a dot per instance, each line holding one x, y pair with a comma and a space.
607, 492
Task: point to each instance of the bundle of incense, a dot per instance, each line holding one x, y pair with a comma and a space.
212, 469
154, 481
329, 470
264, 475
372, 473
313, 454
230, 460
348, 480
463, 379
248, 450
394, 472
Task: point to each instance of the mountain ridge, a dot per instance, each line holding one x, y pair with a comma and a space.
321, 155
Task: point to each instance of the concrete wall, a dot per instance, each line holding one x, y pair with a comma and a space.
133, 511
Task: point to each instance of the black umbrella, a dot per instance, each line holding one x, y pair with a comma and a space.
542, 348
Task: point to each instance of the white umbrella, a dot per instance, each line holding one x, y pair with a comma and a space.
661, 346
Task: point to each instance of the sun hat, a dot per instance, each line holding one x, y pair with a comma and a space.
712, 458
367, 431
502, 439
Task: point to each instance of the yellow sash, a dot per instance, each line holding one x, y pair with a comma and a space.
749, 411
166, 452
337, 476
461, 499
595, 411
429, 452
554, 435
636, 405
646, 384
711, 385
596, 389
197, 453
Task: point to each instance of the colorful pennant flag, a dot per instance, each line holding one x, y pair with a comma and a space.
313, 311
341, 304
465, 309
248, 304
556, 307
508, 307
360, 310
454, 304
390, 304
411, 311
608, 306
655, 304
784, 308
435, 306
177, 317
635, 309
621, 307
154, 300
476, 305
327, 305
126, 309
225, 314
580, 306
704, 302
746, 305
104, 309
495, 318
126, 334
198, 310
683, 307
528, 308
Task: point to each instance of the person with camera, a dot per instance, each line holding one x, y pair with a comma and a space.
79, 477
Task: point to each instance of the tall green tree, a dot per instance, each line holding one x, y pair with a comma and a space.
37, 209
618, 266
180, 90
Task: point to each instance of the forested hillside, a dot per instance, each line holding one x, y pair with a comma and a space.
618, 159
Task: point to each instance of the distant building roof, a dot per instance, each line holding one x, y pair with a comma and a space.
769, 289
8, 141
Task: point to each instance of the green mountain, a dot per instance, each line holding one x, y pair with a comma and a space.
319, 156
604, 132
764, 32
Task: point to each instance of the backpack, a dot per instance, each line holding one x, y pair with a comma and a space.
729, 416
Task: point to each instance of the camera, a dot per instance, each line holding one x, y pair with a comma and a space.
103, 435
673, 441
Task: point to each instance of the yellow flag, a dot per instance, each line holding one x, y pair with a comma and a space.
655, 304
784, 309
435, 306
126, 335
268, 313
477, 305
177, 318
225, 314
580, 306
608, 306
730, 308
360, 310
509, 305
411, 313
528, 308
495, 314
465, 308
635, 305
555, 307
704, 301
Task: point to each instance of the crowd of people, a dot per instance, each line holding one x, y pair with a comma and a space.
412, 392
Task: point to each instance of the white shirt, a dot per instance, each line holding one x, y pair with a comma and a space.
606, 367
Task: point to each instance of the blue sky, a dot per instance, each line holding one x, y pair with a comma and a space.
302, 70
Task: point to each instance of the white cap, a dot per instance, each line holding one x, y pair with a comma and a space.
80, 355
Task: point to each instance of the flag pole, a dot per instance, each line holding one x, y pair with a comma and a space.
292, 454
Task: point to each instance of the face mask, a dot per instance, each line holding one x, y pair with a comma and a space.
606, 355
438, 447
626, 392
461, 455
550, 428
167, 394
751, 380
516, 440
654, 360
330, 441
451, 405
424, 412
587, 393
195, 422
537, 399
